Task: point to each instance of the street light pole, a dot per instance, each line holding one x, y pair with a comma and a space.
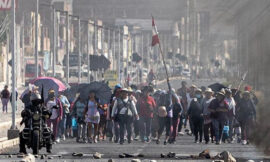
67, 47
54, 42
36, 37
13, 66
79, 50
87, 53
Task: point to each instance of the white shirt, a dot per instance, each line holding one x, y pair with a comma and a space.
124, 109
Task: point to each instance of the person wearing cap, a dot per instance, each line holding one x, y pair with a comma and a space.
146, 106
207, 124
113, 126
123, 111
252, 94
246, 115
182, 93
195, 113
231, 114
54, 105
219, 109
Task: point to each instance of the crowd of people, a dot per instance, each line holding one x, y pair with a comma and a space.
145, 114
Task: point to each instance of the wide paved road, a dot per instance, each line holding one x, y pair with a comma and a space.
183, 148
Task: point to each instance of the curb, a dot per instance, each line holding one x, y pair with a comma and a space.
9, 143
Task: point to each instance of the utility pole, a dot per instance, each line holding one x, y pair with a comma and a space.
113, 52
119, 55
13, 132
36, 38
54, 43
67, 47
87, 53
79, 50
7, 57
23, 63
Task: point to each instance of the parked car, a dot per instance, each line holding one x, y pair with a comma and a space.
186, 72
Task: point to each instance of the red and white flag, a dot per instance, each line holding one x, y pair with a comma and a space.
155, 38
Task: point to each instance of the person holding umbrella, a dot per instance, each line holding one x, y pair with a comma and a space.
123, 111
92, 116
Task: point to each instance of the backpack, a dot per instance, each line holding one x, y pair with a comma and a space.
120, 105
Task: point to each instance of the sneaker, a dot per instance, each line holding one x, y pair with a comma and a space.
244, 142
165, 142
89, 140
217, 143
95, 141
136, 138
57, 140
64, 137
181, 133
157, 141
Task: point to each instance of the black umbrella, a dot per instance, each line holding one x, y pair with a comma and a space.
71, 92
102, 91
217, 87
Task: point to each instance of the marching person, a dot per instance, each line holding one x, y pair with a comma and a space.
195, 113
92, 116
206, 116
54, 105
182, 92
146, 105
5, 95
177, 111
219, 109
246, 112
66, 105
78, 113
231, 113
113, 125
123, 111
165, 115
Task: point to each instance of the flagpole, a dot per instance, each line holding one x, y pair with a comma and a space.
162, 55
164, 63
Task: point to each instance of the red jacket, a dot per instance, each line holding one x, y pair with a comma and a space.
146, 106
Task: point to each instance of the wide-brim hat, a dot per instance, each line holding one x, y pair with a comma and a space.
124, 90
208, 90
221, 92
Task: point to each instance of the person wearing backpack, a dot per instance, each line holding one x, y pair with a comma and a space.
123, 111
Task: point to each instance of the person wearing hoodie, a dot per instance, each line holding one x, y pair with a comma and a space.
195, 113
177, 111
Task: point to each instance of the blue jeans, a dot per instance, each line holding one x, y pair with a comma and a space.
145, 127
218, 126
62, 125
